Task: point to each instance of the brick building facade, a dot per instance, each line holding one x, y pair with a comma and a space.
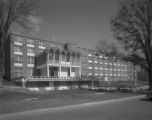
29, 57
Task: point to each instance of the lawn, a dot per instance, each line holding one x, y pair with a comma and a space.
18, 99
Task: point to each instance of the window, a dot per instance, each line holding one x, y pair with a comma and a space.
105, 57
73, 58
29, 50
18, 59
18, 41
77, 58
18, 71
90, 67
51, 55
57, 55
29, 41
96, 74
96, 68
89, 61
106, 68
101, 68
101, 74
30, 60
73, 69
95, 61
96, 54
30, 71
90, 73
17, 49
90, 54
41, 43
101, 56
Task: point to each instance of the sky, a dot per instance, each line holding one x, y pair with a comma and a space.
84, 22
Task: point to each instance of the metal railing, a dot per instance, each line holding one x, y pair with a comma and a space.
50, 77
57, 78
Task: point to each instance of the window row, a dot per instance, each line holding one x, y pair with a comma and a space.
108, 63
19, 59
18, 41
18, 72
101, 74
18, 49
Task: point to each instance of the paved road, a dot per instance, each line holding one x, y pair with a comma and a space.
130, 109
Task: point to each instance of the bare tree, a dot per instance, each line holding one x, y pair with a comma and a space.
12, 12
109, 47
133, 28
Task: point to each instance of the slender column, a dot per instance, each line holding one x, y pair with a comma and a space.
59, 71
48, 71
47, 64
93, 64
60, 57
79, 71
80, 66
70, 71
47, 57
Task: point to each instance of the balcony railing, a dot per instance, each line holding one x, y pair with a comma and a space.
63, 62
57, 78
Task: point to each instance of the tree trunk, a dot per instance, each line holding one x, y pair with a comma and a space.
150, 78
1, 66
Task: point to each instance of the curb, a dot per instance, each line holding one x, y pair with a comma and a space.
54, 109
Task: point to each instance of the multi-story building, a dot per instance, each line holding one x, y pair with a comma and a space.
31, 58
20, 55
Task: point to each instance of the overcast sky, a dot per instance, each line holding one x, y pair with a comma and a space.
80, 21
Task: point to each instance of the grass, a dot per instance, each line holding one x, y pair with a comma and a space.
18, 99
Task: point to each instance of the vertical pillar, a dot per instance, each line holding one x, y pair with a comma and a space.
59, 71
48, 71
60, 57
93, 64
70, 71
79, 71
47, 66
47, 60
80, 60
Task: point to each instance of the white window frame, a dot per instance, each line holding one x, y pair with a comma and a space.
30, 43
17, 49
18, 41
18, 59
30, 60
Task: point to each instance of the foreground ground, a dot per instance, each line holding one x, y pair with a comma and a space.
129, 109
17, 100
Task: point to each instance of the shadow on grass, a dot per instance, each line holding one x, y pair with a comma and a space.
146, 99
